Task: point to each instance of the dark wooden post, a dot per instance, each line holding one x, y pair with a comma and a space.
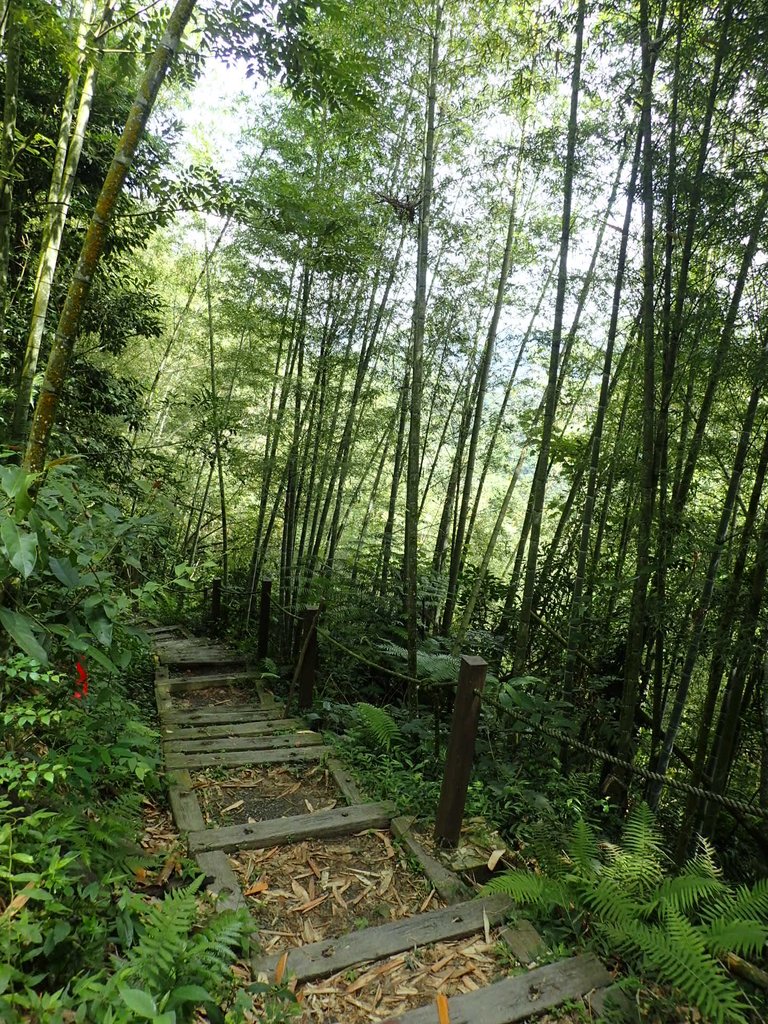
461, 750
265, 609
215, 605
307, 663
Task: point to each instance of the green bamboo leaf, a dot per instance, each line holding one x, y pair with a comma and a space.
20, 628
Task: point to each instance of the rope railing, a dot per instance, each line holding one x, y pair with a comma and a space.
730, 803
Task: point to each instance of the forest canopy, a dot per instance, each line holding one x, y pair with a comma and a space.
450, 319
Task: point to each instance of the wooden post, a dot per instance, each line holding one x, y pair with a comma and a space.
215, 605
307, 663
461, 750
265, 606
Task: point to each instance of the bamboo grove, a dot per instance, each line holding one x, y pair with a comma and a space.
472, 350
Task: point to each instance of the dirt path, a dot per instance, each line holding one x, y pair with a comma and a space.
347, 904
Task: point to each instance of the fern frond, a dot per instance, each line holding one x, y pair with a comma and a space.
582, 852
640, 837
745, 937
751, 901
607, 900
528, 889
379, 724
684, 893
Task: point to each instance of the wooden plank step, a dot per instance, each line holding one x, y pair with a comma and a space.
189, 755
524, 995
224, 715
222, 880
340, 821
237, 758
261, 741
320, 959
188, 684
174, 733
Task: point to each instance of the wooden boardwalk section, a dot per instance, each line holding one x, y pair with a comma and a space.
215, 714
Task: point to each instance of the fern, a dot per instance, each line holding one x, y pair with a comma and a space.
379, 724
670, 928
429, 665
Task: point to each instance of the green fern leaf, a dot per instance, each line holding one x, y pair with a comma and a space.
380, 725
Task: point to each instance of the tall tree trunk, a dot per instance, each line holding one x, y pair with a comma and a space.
69, 146
8, 152
417, 352
540, 476
636, 631
57, 367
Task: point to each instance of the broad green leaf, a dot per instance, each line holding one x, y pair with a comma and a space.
189, 994
65, 572
140, 1002
101, 658
13, 480
20, 546
101, 629
20, 628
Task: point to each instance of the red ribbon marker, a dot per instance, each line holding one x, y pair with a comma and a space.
81, 687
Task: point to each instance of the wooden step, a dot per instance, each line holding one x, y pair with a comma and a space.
225, 715
238, 758
176, 733
218, 752
273, 740
183, 684
340, 821
320, 959
522, 996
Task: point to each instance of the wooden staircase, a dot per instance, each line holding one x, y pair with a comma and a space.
254, 731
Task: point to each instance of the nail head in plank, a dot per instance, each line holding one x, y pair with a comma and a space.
236, 758
522, 996
320, 959
339, 821
448, 884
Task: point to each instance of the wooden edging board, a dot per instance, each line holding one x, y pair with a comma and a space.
320, 959
521, 996
338, 821
447, 883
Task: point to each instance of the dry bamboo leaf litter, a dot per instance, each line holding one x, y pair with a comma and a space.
242, 795
335, 887
384, 990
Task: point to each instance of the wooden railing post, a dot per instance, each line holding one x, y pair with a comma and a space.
265, 611
307, 664
215, 605
461, 750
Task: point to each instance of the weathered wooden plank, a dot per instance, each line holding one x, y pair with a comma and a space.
261, 741
175, 733
222, 881
446, 882
523, 996
339, 821
345, 782
236, 758
184, 802
524, 941
320, 959
224, 715
188, 684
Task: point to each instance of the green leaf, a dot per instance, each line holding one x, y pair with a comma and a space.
20, 628
189, 994
140, 1002
101, 629
13, 480
101, 658
65, 572
20, 546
